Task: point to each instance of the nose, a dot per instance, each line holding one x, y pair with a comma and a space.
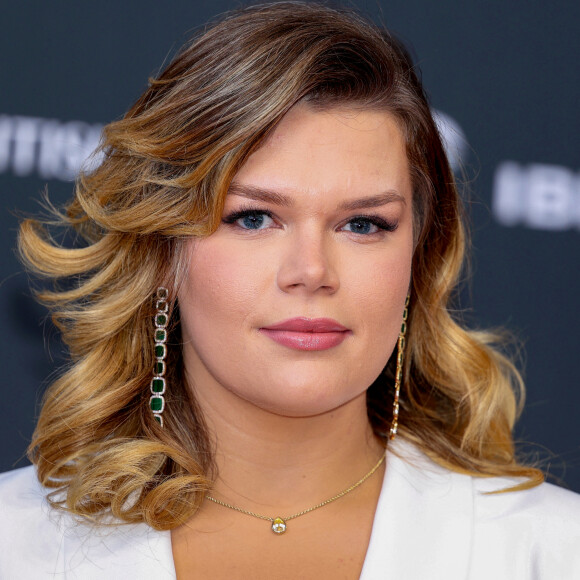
308, 264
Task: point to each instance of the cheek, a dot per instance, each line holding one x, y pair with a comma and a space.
219, 286
379, 291
382, 281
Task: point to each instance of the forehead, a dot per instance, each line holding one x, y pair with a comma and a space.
338, 150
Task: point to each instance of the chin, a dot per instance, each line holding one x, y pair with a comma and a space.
305, 401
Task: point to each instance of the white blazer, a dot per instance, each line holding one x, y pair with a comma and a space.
430, 524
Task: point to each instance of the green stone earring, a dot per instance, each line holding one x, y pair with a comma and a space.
158, 384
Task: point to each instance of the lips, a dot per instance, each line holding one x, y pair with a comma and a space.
307, 333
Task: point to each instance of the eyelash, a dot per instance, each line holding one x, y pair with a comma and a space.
235, 216
377, 221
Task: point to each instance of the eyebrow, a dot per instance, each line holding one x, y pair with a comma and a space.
277, 198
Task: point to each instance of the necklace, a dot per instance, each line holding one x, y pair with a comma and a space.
279, 523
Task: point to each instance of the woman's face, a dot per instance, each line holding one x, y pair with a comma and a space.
295, 303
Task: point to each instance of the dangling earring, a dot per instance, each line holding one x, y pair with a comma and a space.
158, 384
399, 372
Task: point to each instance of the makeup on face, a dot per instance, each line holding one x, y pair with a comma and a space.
295, 302
307, 333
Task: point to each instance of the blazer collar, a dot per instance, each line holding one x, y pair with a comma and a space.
424, 521
422, 529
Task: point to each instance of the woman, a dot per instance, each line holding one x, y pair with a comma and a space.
258, 312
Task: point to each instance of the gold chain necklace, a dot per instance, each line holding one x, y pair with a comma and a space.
278, 523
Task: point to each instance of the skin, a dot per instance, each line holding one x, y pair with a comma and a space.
290, 426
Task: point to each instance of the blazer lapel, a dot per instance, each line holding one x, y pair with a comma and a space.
424, 521
422, 529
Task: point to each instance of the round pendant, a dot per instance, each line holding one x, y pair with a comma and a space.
278, 526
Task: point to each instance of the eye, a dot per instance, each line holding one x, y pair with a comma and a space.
365, 226
251, 219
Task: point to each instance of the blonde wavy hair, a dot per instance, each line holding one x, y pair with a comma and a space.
166, 169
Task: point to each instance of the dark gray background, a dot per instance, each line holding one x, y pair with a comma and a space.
506, 72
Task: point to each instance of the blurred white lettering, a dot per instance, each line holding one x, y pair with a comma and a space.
47, 147
543, 197
25, 133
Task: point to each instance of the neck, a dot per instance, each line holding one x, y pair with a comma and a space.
272, 463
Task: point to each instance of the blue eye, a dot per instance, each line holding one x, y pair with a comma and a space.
361, 226
368, 225
250, 219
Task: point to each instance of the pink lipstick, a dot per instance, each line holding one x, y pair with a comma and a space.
307, 333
